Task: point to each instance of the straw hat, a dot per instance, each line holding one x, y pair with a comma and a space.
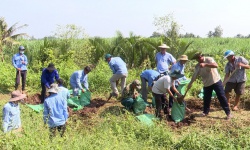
183, 57
16, 96
164, 46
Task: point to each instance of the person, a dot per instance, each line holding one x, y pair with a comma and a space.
63, 90
207, 69
130, 93
237, 79
48, 75
180, 65
119, 69
162, 86
78, 78
11, 113
148, 76
55, 112
164, 60
20, 62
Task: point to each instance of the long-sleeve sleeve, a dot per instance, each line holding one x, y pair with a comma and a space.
44, 80
112, 67
14, 62
78, 80
25, 60
65, 110
45, 113
5, 119
85, 82
56, 75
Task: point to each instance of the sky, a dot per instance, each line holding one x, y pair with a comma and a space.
104, 17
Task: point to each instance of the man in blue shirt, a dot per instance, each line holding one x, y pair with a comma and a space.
180, 65
119, 69
48, 75
164, 60
63, 90
20, 62
78, 78
55, 111
11, 112
148, 76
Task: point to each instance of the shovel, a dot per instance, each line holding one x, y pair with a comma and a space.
235, 70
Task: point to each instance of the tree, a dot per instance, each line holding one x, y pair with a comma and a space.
218, 31
155, 34
8, 36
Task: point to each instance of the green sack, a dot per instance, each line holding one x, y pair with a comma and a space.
139, 105
36, 108
201, 95
85, 98
146, 119
73, 101
178, 111
182, 86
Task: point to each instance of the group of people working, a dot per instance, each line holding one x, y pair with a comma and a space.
165, 79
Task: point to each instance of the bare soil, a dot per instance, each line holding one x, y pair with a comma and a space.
99, 107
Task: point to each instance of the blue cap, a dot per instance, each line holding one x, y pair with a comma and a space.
107, 56
228, 53
21, 48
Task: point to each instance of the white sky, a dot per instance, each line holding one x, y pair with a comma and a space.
104, 17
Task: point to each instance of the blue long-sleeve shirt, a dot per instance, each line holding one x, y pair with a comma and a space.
164, 61
17, 61
78, 78
47, 77
64, 92
11, 117
181, 67
118, 66
55, 110
150, 76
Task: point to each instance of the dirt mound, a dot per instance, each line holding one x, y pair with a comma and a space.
90, 109
34, 99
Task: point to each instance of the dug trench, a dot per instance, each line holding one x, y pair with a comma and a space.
99, 107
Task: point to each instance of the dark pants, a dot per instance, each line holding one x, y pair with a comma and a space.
170, 98
61, 129
161, 103
22, 75
144, 89
219, 90
127, 103
43, 92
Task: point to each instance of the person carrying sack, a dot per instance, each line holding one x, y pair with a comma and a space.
162, 86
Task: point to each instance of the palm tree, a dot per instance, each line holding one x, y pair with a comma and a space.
8, 36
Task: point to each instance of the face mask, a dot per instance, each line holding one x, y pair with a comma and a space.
21, 52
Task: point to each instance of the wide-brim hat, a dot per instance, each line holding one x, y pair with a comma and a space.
164, 46
137, 83
16, 96
183, 57
176, 74
53, 88
51, 67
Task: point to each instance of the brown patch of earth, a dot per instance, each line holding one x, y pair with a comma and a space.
33, 99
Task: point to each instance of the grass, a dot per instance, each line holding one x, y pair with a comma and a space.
123, 131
